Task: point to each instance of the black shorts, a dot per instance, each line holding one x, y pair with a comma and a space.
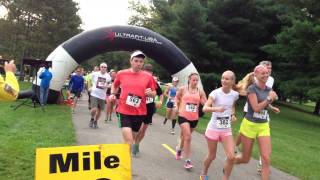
170, 104
132, 121
193, 124
77, 93
151, 109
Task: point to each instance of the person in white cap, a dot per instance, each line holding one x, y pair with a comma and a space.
170, 92
136, 85
100, 83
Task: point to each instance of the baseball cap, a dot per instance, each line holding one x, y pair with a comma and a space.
137, 53
175, 79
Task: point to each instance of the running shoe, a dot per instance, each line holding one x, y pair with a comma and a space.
188, 165
204, 177
165, 121
91, 122
95, 124
137, 148
259, 165
172, 131
178, 153
134, 149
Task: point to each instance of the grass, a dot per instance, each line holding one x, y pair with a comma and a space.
24, 130
307, 107
295, 140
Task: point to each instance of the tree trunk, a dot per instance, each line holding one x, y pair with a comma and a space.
317, 108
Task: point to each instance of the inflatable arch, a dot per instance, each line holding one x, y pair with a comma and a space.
66, 57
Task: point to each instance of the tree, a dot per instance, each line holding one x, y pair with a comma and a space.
297, 47
33, 28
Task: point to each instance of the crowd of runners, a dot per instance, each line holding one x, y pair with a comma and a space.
135, 94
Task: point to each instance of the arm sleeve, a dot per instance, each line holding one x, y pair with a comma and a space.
251, 89
70, 83
116, 82
213, 95
9, 88
159, 90
82, 84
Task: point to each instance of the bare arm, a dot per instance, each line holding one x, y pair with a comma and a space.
178, 97
166, 91
209, 108
253, 100
203, 97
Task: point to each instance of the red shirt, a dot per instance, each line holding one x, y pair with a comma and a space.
133, 85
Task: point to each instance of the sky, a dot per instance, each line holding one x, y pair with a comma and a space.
100, 13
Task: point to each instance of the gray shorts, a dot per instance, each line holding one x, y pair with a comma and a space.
96, 102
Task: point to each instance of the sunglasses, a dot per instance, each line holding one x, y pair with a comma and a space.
103, 67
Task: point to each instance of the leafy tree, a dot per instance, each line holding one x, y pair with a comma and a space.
33, 28
297, 50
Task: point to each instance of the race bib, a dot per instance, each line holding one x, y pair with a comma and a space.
101, 83
223, 122
263, 114
191, 107
149, 100
133, 100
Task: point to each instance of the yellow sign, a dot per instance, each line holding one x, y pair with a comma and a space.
94, 162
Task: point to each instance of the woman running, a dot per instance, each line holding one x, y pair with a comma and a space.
221, 102
187, 101
255, 124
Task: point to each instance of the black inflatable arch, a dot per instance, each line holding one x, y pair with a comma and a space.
66, 57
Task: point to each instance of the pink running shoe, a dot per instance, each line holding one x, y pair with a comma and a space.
188, 165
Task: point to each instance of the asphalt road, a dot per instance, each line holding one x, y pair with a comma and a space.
156, 161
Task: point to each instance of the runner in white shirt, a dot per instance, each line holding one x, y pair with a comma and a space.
100, 82
221, 103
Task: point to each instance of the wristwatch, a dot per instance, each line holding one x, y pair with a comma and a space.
269, 99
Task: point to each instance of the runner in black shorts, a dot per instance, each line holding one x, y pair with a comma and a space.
151, 109
135, 85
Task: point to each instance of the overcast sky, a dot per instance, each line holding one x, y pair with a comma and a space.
100, 13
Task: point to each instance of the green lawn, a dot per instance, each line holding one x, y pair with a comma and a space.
24, 130
295, 140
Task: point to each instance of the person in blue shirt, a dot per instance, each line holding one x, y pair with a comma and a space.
76, 86
45, 77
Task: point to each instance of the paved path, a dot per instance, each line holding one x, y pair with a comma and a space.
156, 162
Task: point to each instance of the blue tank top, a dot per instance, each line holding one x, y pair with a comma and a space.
173, 91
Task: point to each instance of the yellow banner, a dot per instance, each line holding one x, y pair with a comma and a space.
94, 162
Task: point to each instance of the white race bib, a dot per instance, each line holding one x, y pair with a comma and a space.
133, 100
191, 107
101, 83
263, 114
223, 122
149, 100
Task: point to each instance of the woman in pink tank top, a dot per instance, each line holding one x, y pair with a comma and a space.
187, 100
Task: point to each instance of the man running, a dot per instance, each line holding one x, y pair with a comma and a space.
76, 85
151, 109
135, 85
100, 83
88, 84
